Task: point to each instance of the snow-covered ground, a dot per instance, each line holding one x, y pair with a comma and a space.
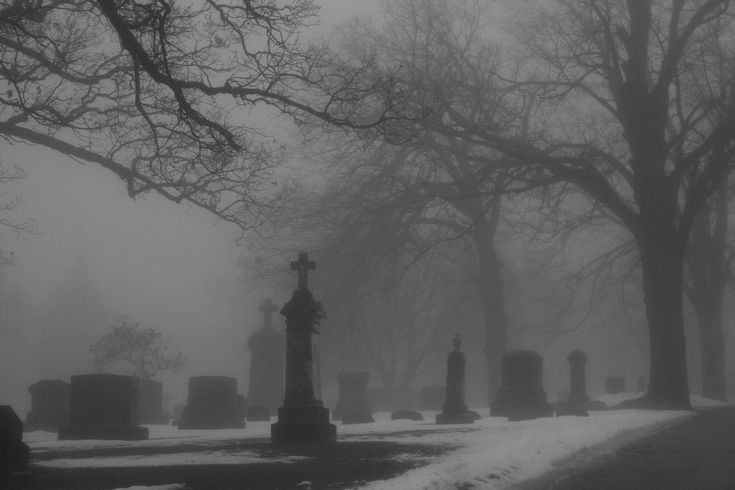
492, 453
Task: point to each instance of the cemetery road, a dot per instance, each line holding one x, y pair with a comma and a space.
698, 453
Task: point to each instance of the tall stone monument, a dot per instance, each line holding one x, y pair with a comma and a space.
521, 394
455, 410
302, 418
266, 363
578, 399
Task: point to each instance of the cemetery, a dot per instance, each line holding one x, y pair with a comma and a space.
399, 245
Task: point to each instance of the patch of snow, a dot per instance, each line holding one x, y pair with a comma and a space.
172, 486
697, 401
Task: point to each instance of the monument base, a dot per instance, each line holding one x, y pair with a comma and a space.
521, 405
303, 423
112, 432
455, 418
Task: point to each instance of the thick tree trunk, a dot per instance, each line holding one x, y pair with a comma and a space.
490, 285
663, 264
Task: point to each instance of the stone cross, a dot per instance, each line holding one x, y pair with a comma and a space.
303, 265
267, 308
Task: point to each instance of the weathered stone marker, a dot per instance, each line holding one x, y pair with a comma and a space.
578, 400
49, 405
302, 418
521, 395
266, 363
212, 404
352, 406
614, 385
13, 452
455, 410
104, 406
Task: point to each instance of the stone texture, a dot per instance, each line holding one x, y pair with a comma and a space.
577, 400
267, 349
454, 410
49, 405
13, 452
211, 404
521, 395
104, 406
302, 418
352, 406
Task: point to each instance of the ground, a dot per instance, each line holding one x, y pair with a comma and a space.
386, 455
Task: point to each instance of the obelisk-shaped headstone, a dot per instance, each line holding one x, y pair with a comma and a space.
578, 399
455, 410
265, 390
302, 418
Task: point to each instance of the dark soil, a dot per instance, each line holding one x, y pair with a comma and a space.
337, 465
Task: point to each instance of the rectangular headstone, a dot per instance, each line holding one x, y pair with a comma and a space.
13, 453
49, 405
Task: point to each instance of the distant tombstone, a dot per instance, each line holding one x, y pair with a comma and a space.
257, 414
578, 400
614, 385
150, 403
267, 348
521, 395
13, 452
431, 397
406, 415
211, 404
352, 406
302, 418
104, 406
49, 405
454, 410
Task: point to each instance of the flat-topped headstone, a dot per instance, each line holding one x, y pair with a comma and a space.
49, 405
302, 418
211, 404
577, 401
13, 452
352, 406
104, 406
150, 403
431, 397
521, 395
267, 351
454, 410
614, 385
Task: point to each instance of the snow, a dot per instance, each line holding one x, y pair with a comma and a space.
492, 453
173, 486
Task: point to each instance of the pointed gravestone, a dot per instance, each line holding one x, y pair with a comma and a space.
352, 406
578, 400
302, 418
521, 395
454, 409
104, 406
212, 404
265, 391
49, 405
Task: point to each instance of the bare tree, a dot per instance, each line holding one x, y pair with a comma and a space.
162, 94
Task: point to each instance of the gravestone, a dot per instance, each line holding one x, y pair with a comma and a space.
431, 397
614, 385
352, 406
302, 418
267, 348
454, 409
13, 452
49, 405
577, 400
521, 395
406, 415
104, 406
211, 404
150, 403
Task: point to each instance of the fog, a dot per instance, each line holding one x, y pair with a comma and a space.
175, 268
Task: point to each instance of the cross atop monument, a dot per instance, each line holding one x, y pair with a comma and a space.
268, 308
303, 265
